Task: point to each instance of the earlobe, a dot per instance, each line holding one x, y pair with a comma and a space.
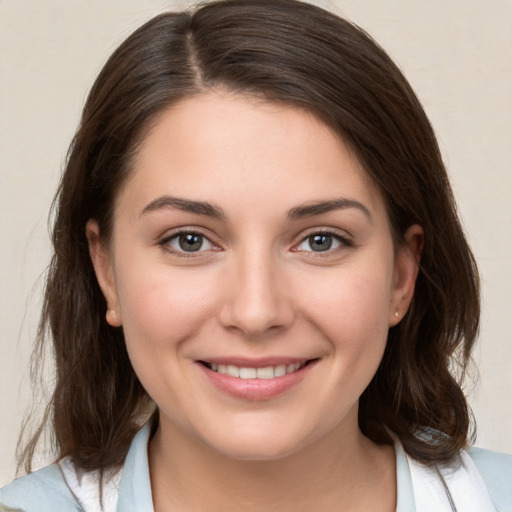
101, 261
406, 273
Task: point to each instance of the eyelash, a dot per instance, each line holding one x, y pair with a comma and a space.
165, 243
343, 242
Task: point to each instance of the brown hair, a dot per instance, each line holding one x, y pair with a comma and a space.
285, 51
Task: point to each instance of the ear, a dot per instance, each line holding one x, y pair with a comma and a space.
405, 273
102, 263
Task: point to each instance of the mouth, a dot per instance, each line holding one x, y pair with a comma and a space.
261, 372
256, 380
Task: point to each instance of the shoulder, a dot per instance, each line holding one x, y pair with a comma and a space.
496, 471
41, 491
64, 487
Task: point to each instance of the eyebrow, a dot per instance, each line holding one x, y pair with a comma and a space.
209, 210
186, 205
312, 209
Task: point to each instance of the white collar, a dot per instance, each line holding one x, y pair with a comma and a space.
419, 488
446, 488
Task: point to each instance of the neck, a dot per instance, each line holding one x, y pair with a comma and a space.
343, 471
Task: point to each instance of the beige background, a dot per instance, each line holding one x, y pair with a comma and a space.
457, 55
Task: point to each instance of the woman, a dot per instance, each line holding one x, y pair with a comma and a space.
260, 282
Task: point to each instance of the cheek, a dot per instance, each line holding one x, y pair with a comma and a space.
161, 306
351, 310
350, 299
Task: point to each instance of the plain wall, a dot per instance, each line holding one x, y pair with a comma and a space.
457, 55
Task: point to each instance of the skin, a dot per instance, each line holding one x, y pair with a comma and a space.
255, 289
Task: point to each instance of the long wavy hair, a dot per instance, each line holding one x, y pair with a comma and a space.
289, 52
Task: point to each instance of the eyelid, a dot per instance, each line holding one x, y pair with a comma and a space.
165, 240
344, 240
174, 242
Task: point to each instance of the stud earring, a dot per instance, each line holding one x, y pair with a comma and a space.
396, 313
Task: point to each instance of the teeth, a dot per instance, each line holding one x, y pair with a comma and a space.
234, 371
265, 373
268, 372
290, 368
247, 373
280, 370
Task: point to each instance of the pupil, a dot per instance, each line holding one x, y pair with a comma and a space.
190, 242
320, 243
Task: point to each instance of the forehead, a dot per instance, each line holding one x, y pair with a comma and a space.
228, 148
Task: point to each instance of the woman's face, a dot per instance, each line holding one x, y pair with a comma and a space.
252, 269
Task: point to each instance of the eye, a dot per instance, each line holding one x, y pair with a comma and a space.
321, 242
188, 242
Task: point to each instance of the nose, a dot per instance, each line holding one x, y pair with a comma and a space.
257, 300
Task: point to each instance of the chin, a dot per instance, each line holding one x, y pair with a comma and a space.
257, 452
258, 445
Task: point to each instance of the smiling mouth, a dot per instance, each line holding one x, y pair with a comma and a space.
264, 373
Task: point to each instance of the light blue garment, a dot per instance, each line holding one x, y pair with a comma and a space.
496, 470
46, 490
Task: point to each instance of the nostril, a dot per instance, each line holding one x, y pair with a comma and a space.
256, 318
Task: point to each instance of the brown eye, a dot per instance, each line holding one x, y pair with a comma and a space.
189, 242
320, 242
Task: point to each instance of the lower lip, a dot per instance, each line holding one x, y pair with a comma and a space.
256, 389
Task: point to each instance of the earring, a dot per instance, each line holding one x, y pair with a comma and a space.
396, 313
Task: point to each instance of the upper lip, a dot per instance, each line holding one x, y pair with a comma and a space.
244, 362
